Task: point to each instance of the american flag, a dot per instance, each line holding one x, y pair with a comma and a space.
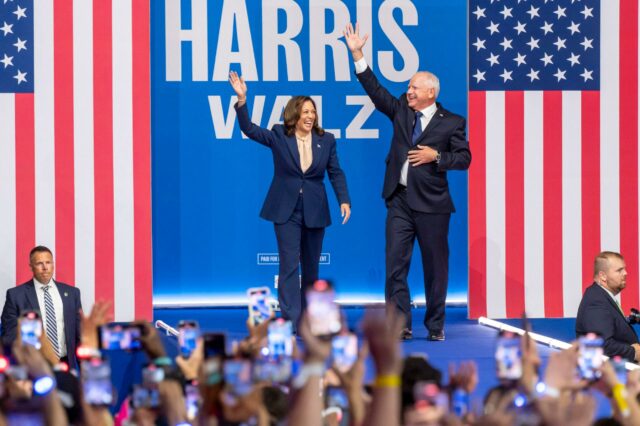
75, 146
553, 125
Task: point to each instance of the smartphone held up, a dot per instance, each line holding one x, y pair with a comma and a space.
260, 309
189, 333
31, 329
508, 356
322, 309
120, 336
590, 356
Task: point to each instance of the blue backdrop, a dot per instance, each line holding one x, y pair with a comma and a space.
209, 182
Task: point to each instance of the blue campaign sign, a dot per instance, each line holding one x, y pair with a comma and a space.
209, 182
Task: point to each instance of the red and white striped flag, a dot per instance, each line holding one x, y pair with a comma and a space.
553, 125
75, 146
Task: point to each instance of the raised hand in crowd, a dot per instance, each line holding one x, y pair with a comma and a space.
563, 401
633, 383
240, 409
192, 366
497, 408
560, 374
39, 369
307, 403
172, 402
151, 341
530, 364
623, 400
99, 316
352, 381
381, 331
464, 377
256, 339
45, 346
569, 408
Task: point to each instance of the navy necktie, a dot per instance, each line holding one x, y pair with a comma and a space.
417, 128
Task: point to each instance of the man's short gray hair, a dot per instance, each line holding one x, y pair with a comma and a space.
434, 81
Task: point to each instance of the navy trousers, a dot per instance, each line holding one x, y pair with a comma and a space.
299, 249
403, 226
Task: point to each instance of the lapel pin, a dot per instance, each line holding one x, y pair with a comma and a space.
318, 145
441, 115
66, 294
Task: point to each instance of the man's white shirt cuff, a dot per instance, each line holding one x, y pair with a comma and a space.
361, 65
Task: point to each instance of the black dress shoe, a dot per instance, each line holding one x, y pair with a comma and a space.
406, 334
436, 336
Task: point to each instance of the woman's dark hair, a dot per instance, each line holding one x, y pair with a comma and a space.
292, 112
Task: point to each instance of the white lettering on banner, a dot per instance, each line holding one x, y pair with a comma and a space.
272, 40
399, 39
364, 12
318, 100
235, 22
223, 128
354, 129
274, 259
234, 16
276, 112
319, 40
175, 35
268, 259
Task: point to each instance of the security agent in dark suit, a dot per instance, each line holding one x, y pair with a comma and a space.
427, 141
600, 312
297, 200
61, 321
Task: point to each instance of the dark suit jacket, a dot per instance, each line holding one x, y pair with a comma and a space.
288, 178
23, 298
427, 185
599, 314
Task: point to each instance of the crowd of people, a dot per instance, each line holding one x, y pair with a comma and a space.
318, 387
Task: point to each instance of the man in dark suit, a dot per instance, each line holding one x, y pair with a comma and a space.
59, 306
600, 311
427, 141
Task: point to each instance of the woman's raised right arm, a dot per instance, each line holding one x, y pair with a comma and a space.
250, 129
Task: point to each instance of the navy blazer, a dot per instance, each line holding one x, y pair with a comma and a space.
288, 178
427, 185
23, 298
599, 314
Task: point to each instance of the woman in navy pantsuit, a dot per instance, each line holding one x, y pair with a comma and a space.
297, 200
